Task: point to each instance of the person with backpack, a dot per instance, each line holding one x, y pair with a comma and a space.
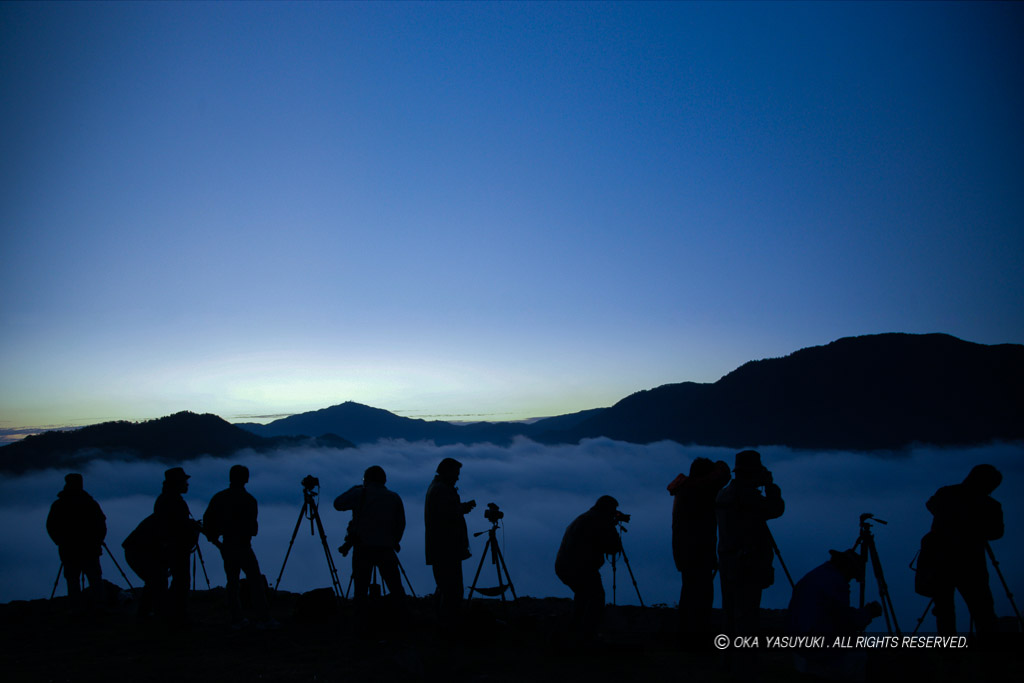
230, 523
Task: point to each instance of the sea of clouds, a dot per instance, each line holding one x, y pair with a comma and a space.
541, 489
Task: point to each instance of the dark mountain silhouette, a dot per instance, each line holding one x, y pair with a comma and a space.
879, 392
363, 424
875, 392
175, 438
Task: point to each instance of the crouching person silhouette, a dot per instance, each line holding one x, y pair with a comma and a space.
78, 526
230, 522
378, 523
587, 540
820, 606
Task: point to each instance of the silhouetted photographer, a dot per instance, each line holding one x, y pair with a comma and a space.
585, 543
952, 555
745, 547
78, 526
230, 522
160, 545
375, 533
820, 606
694, 537
447, 538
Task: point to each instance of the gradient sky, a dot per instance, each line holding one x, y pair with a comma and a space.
501, 209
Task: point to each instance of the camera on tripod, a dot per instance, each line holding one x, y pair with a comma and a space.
309, 482
621, 517
492, 514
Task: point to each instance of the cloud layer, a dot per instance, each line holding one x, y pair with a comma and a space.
540, 489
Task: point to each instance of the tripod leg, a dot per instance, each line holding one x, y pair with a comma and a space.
631, 577
315, 514
125, 576
199, 554
883, 588
501, 558
923, 615
1009, 595
56, 581
480, 566
302, 513
407, 581
778, 554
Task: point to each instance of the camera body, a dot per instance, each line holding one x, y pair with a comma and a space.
492, 514
309, 482
621, 517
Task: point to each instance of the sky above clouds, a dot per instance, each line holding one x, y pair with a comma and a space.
541, 489
489, 208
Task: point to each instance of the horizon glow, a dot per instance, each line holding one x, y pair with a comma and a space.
522, 209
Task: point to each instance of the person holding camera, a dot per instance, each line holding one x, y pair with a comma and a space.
745, 545
820, 606
447, 538
378, 523
586, 541
694, 537
965, 518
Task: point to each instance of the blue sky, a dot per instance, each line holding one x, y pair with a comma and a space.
498, 209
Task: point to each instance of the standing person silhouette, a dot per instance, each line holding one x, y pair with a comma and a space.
447, 539
78, 526
966, 517
378, 523
694, 537
230, 522
745, 549
178, 534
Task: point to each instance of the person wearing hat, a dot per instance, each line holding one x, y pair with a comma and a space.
230, 522
586, 541
745, 547
378, 523
178, 533
78, 526
820, 606
446, 538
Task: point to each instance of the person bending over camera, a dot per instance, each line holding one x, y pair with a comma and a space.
587, 540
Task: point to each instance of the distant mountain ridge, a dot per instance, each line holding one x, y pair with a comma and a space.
363, 424
873, 392
171, 439
876, 392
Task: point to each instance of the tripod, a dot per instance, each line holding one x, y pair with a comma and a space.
310, 490
775, 547
199, 554
866, 542
625, 558
1002, 579
499, 564
110, 555
375, 588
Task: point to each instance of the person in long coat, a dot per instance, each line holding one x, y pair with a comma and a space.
447, 538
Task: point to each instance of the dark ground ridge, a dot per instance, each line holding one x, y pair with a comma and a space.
318, 639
